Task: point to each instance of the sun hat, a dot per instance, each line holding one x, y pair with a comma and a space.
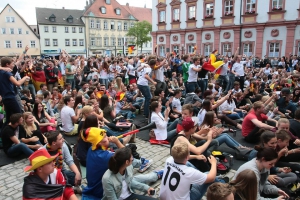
38, 159
93, 135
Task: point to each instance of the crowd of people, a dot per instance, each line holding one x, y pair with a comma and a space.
195, 102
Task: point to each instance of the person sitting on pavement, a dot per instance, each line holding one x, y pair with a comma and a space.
124, 108
10, 138
181, 181
55, 145
97, 162
45, 122
220, 191
45, 181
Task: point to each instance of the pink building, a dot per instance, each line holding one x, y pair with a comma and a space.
258, 27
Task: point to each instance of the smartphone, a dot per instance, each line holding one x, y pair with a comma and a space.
152, 192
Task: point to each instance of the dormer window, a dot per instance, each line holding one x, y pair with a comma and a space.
103, 10
107, 1
70, 19
52, 18
118, 11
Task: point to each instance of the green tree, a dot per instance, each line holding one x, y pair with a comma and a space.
140, 32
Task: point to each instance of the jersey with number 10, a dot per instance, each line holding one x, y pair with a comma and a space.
177, 179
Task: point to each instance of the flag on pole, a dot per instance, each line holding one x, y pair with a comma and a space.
38, 78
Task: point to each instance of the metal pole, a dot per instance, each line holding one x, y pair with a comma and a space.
115, 50
240, 50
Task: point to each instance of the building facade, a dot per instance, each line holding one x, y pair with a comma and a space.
107, 23
258, 27
15, 34
61, 29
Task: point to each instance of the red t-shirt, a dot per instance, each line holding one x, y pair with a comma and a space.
248, 125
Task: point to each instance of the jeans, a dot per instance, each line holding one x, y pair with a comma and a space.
191, 86
241, 80
126, 113
11, 106
173, 125
231, 78
51, 85
139, 197
70, 176
18, 149
234, 116
229, 141
110, 79
72, 82
145, 90
161, 85
104, 81
138, 103
146, 178
211, 147
223, 79
31, 88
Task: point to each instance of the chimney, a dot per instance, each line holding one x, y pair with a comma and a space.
127, 4
90, 2
63, 8
145, 6
87, 3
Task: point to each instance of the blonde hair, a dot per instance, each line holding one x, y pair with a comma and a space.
283, 121
180, 152
257, 105
26, 126
86, 110
119, 84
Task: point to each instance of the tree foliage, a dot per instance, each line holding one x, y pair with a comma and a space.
140, 32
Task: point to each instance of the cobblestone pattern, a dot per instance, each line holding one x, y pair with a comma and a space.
12, 175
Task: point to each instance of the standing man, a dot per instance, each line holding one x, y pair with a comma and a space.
51, 73
238, 71
223, 77
193, 75
185, 69
68, 116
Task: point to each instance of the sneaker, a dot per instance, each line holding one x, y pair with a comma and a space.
225, 179
145, 164
159, 173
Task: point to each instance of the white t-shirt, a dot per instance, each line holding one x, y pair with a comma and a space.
239, 68
103, 74
177, 180
193, 75
62, 68
159, 74
131, 72
125, 191
119, 106
224, 69
201, 116
225, 106
112, 69
176, 104
142, 80
66, 117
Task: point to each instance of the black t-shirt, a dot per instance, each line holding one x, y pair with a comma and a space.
295, 127
7, 133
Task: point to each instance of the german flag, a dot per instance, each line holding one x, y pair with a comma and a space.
119, 96
38, 78
34, 188
60, 79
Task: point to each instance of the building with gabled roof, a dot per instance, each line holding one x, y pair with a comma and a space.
107, 23
16, 34
61, 29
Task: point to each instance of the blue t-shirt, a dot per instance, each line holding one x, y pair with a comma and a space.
96, 166
6, 87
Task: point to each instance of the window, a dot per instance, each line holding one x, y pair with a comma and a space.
125, 26
19, 44
27, 32
19, 31
113, 41
12, 31
207, 50
105, 25
54, 29
98, 24
250, 5
190, 48
74, 41
107, 1
32, 43
150, 44
67, 42
192, 12
81, 42
80, 30
9, 10
46, 29
12, 19
66, 29
70, 20
274, 49
119, 41
73, 29
161, 50
7, 44
52, 19
227, 49
103, 10
105, 41
175, 49
176, 14
92, 23
119, 26
276, 4
228, 7
47, 42
118, 11
248, 50
3, 30
8, 19
131, 25
55, 43
112, 25
98, 41
162, 15
209, 9
92, 41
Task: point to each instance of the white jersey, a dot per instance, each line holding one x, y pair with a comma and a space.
112, 69
142, 80
193, 75
177, 180
131, 72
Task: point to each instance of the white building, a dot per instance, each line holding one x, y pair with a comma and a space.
15, 34
61, 29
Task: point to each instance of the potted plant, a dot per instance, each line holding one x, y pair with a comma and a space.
175, 20
228, 13
209, 16
250, 11
276, 8
192, 18
162, 22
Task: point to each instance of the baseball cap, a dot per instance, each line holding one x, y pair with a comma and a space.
189, 123
93, 135
285, 91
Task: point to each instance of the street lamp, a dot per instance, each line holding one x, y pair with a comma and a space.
182, 49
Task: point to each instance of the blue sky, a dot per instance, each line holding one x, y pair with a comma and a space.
27, 8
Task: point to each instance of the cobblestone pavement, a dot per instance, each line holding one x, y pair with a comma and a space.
12, 175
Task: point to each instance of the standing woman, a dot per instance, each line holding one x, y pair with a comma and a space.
118, 182
103, 73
